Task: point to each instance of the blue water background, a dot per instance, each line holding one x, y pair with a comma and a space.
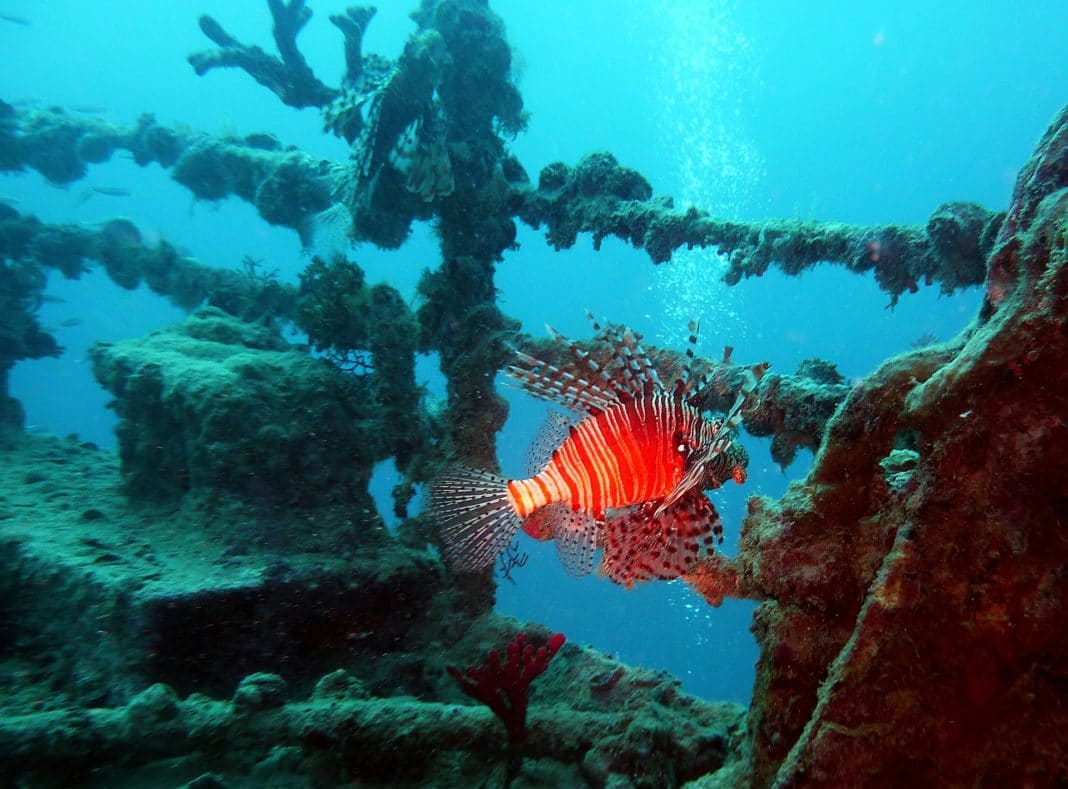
865, 114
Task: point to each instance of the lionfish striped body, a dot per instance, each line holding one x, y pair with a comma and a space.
627, 477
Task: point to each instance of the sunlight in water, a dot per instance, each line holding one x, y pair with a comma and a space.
702, 57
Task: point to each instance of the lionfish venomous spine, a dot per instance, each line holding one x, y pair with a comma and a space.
627, 473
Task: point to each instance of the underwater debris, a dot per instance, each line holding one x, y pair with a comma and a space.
118, 245
505, 688
273, 424
340, 731
951, 550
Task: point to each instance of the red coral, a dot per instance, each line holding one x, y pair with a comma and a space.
504, 688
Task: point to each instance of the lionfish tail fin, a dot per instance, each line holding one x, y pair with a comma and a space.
476, 516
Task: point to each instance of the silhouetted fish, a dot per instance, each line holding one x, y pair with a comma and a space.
107, 191
88, 109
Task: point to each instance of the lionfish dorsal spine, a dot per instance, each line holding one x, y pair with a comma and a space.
582, 359
684, 381
643, 377
558, 386
631, 374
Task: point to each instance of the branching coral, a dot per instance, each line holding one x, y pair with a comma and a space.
505, 688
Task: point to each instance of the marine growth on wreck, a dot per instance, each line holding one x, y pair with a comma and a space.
306, 543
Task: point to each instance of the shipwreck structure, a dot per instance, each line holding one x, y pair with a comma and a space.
193, 598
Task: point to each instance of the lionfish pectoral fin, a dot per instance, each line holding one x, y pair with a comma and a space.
561, 387
552, 433
695, 477
475, 515
575, 535
640, 545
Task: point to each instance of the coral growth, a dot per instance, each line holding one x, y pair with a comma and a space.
505, 688
914, 583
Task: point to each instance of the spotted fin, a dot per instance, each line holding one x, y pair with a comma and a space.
637, 370
641, 545
558, 386
553, 432
575, 534
475, 515
583, 360
686, 384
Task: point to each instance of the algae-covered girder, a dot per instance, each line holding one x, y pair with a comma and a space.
339, 730
601, 197
345, 317
950, 249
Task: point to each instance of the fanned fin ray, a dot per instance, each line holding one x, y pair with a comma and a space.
594, 372
630, 374
640, 545
475, 515
559, 386
575, 535
685, 385
642, 377
552, 433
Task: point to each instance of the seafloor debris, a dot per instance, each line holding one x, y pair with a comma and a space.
104, 601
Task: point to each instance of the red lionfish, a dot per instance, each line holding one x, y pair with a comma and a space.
628, 474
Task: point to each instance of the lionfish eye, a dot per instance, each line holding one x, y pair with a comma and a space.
683, 444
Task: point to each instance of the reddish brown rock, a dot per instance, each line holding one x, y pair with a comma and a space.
912, 627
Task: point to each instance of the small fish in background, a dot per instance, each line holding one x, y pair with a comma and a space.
925, 339
66, 323
627, 473
88, 109
107, 191
14, 19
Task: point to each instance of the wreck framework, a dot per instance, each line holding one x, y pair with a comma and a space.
911, 587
